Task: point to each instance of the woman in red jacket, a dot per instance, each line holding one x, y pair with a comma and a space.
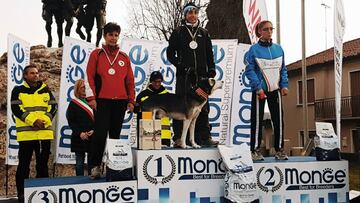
112, 92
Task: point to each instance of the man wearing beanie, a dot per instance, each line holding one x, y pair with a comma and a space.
155, 87
190, 51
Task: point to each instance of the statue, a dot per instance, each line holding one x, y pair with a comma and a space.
75, 8
53, 8
95, 9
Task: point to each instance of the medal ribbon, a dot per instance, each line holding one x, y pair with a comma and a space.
107, 56
193, 36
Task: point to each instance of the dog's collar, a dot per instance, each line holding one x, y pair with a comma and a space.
201, 93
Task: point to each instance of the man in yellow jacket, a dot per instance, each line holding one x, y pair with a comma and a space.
34, 107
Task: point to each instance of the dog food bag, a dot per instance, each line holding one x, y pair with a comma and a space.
240, 178
119, 154
326, 142
119, 160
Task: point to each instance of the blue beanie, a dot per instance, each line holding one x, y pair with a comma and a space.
188, 7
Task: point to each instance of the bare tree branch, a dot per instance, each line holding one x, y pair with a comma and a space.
157, 19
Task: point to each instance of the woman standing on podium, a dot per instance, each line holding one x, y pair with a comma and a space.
81, 121
265, 68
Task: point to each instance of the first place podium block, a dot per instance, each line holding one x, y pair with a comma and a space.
79, 189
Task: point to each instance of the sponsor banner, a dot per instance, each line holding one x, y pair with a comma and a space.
305, 180
99, 192
18, 57
254, 11
74, 62
339, 30
147, 56
241, 105
220, 101
180, 176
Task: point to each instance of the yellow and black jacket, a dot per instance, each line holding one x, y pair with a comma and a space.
165, 122
29, 104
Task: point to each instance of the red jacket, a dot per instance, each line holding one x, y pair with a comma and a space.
115, 84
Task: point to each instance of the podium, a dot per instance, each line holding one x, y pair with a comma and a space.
197, 176
79, 189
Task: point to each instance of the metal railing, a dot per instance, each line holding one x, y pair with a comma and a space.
325, 108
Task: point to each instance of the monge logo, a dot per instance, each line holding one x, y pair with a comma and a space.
16, 74
17, 69
167, 71
73, 195
219, 55
163, 169
138, 57
74, 71
215, 103
272, 180
327, 178
242, 130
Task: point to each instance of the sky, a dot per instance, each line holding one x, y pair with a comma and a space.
23, 19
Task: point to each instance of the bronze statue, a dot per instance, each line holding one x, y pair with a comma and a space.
67, 10
95, 9
53, 8
75, 8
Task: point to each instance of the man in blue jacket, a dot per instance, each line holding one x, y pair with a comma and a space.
265, 68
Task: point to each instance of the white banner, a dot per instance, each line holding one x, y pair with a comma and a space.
18, 57
71, 190
180, 176
339, 29
241, 105
254, 11
147, 56
220, 101
75, 57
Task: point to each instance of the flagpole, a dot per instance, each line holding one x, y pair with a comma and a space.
278, 21
304, 74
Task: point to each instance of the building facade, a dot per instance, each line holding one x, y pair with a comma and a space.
321, 97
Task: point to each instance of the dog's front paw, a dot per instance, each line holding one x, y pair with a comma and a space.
196, 146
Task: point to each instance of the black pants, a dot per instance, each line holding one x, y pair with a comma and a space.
108, 120
274, 100
26, 149
202, 126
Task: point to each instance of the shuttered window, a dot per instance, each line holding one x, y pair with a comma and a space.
310, 91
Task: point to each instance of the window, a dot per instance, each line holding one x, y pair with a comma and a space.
310, 91
302, 139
